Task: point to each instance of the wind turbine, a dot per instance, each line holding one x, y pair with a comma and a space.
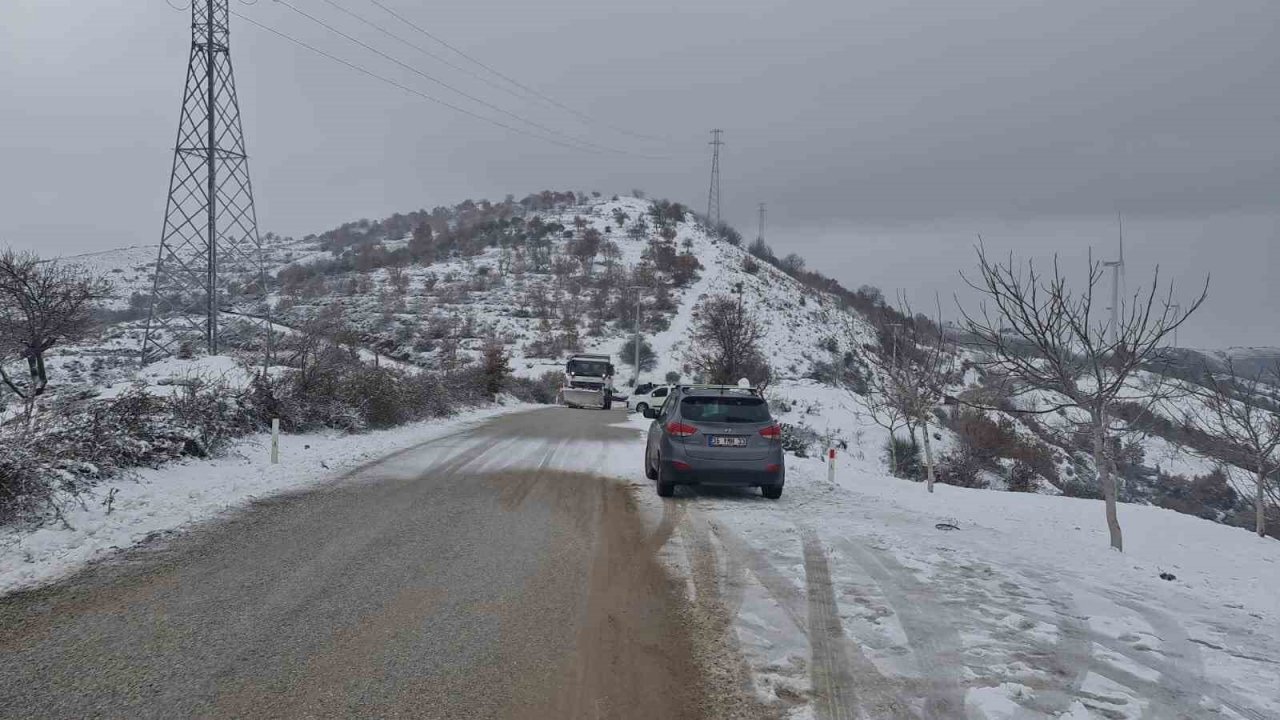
1117, 274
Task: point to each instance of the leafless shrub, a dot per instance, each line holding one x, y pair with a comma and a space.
1242, 428
42, 305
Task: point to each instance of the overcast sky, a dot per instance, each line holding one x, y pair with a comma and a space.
883, 134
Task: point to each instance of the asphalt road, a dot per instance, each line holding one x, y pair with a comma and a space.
426, 585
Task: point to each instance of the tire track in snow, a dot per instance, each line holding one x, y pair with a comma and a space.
1186, 665
514, 494
1071, 656
833, 686
932, 639
880, 697
717, 596
1182, 686
672, 514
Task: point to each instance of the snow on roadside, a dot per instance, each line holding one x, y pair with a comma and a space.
1023, 611
160, 500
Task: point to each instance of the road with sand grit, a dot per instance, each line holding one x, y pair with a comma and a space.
461, 578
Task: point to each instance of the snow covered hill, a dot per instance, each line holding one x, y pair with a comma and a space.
424, 313
561, 272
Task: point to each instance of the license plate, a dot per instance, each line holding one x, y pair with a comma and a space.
726, 441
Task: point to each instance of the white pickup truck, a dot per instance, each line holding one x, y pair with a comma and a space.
650, 398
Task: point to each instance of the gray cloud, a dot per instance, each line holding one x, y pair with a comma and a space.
869, 117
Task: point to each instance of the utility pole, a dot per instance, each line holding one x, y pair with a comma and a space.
635, 378
760, 235
210, 233
713, 195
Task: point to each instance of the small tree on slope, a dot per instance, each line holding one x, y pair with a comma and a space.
495, 366
1233, 414
908, 381
725, 343
1044, 336
42, 305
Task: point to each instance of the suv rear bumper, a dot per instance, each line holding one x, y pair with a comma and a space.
745, 473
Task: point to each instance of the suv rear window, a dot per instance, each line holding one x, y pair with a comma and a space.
724, 409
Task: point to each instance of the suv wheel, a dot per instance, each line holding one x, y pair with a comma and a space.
649, 472
641, 407
666, 488
773, 492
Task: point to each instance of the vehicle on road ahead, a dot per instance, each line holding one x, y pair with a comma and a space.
588, 381
714, 435
652, 397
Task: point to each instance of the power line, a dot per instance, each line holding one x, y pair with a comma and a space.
405, 88
438, 58
446, 85
509, 79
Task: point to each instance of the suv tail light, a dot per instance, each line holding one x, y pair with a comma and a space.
681, 430
773, 432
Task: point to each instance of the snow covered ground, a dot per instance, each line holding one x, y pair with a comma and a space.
857, 600
154, 502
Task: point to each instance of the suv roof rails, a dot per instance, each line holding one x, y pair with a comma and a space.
721, 388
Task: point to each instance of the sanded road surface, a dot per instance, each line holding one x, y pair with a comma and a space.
463, 578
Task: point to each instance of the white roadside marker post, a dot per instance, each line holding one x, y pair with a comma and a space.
831, 466
275, 441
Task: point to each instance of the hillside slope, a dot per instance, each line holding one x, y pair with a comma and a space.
561, 272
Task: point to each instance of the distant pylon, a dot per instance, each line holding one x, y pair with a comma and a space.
713, 196
210, 254
760, 236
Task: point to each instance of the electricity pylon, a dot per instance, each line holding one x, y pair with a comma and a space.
713, 195
210, 253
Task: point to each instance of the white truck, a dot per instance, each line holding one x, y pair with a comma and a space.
588, 382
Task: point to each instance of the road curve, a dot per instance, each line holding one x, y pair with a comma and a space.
463, 578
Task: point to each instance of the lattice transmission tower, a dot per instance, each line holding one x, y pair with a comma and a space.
713, 196
210, 259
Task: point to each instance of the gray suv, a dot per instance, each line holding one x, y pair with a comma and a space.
714, 435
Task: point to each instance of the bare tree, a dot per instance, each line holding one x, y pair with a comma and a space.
884, 413
1048, 338
909, 380
42, 304
725, 343
791, 264
1242, 426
